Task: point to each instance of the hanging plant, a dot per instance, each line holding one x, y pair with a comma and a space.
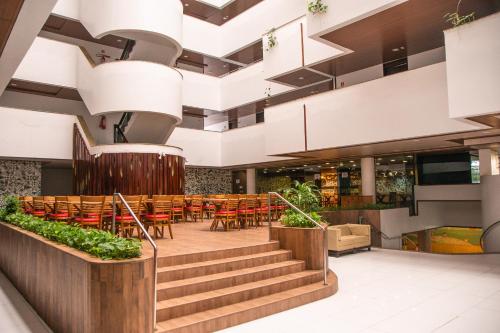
271, 39
317, 7
456, 19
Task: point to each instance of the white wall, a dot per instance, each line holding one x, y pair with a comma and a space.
200, 148
363, 75
35, 135
50, 62
28, 23
473, 67
201, 91
467, 192
415, 100
245, 146
427, 58
284, 128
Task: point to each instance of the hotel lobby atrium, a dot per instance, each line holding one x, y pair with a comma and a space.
197, 166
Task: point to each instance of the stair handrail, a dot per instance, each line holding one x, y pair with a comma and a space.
486, 232
323, 228
150, 240
384, 235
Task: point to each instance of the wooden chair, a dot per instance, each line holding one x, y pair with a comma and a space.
209, 206
26, 204
91, 211
227, 215
195, 210
161, 214
38, 207
178, 208
246, 212
125, 221
60, 212
262, 210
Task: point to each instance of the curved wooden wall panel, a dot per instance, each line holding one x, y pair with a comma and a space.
127, 173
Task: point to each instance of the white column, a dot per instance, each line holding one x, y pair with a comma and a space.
488, 162
250, 181
368, 177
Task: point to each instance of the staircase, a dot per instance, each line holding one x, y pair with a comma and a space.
209, 291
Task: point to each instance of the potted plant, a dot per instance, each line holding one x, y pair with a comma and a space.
456, 19
304, 196
316, 7
272, 41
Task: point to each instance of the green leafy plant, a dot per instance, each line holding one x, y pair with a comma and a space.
456, 19
272, 41
317, 7
304, 196
98, 243
11, 205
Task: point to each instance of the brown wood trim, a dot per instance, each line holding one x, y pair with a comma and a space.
74, 292
18, 4
302, 44
305, 127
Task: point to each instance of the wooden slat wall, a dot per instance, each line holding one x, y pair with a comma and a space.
127, 173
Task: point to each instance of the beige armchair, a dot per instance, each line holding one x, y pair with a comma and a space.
348, 238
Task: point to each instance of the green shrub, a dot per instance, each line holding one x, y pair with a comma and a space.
98, 243
294, 219
11, 205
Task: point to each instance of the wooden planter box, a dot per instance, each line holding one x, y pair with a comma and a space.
305, 243
75, 292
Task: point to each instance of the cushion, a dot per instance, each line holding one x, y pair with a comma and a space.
191, 208
225, 212
38, 212
158, 216
262, 209
348, 240
246, 211
124, 218
344, 230
58, 215
87, 219
177, 209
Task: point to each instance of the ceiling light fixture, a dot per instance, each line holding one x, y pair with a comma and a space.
393, 160
351, 161
301, 78
13, 84
186, 5
395, 50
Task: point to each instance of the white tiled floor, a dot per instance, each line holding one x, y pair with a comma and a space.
394, 291
16, 315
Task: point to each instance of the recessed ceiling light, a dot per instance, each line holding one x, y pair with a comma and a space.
225, 18
351, 161
378, 163
119, 40
401, 47
186, 5
305, 165
409, 156
380, 158
332, 168
395, 50
186, 56
14, 84
313, 91
393, 160
354, 165
301, 78
405, 161
341, 164
225, 65
327, 163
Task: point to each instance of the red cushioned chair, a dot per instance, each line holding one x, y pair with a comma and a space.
227, 215
246, 212
125, 221
195, 210
161, 214
90, 211
178, 208
26, 204
262, 210
60, 212
38, 207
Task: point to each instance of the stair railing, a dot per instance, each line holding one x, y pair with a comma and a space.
486, 232
324, 229
150, 240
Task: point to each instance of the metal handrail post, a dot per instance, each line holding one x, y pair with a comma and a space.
269, 214
155, 252
113, 221
325, 233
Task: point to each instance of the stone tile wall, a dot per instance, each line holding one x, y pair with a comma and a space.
20, 178
207, 181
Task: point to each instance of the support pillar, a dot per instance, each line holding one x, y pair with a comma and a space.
368, 187
488, 162
250, 181
490, 197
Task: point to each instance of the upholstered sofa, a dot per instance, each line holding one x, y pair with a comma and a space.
348, 238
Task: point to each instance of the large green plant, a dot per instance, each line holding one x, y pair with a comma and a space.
317, 7
304, 196
456, 19
95, 242
11, 205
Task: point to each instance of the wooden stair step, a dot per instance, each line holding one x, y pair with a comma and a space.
234, 314
186, 305
179, 272
189, 258
196, 285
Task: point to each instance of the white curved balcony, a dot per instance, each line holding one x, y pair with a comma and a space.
130, 86
151, 22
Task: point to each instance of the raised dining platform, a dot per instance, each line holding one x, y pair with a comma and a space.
209, 281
